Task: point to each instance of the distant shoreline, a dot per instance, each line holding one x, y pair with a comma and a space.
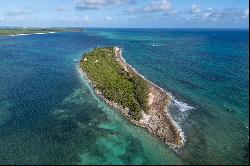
35, 31
26, 34
158, 120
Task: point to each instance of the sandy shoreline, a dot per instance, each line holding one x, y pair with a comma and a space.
158, 120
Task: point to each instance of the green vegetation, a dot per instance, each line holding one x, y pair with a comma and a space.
15, 31
125, 88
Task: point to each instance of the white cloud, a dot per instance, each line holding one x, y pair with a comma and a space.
2, 18
226, 15
195, 9
98, 4
156, 6
17, 15
246, 13
109, 18
63, 19
163, 5
17, 12
62, 8
86, 19
76, 19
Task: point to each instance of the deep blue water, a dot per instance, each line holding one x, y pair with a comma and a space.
50, 115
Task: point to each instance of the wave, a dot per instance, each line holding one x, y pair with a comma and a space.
33, 34
183, 107
20, 35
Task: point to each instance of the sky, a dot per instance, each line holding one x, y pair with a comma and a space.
125, 13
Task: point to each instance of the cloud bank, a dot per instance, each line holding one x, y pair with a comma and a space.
153, 7
99, 4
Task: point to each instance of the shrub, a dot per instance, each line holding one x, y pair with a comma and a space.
125, 88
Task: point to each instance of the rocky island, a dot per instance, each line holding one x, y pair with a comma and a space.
142, 102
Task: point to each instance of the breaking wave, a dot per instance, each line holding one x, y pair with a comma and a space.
183, 107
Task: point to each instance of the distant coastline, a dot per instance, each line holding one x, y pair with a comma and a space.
35, 31
157, 120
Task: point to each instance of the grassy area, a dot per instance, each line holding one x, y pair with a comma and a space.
15, 31
125, 88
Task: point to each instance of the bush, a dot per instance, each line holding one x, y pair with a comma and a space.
125, 88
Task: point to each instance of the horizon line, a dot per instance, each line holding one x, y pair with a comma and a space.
246, 28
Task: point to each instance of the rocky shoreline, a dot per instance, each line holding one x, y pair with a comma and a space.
158, 120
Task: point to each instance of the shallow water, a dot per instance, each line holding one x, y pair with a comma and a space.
50, 115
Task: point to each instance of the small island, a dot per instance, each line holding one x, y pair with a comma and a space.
139, 100
28, 31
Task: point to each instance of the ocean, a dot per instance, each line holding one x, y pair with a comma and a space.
50, 115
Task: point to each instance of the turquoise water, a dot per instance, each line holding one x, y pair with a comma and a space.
50, 115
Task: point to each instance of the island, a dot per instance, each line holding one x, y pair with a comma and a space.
27, 31
142, 102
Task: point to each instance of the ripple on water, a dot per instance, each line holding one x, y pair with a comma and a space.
5, 113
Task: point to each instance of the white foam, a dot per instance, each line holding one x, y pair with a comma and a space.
33, 34
183, 107
154, 45
20, 35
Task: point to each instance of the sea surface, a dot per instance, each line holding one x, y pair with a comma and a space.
50, 115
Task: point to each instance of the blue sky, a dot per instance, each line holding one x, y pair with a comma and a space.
126, 13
